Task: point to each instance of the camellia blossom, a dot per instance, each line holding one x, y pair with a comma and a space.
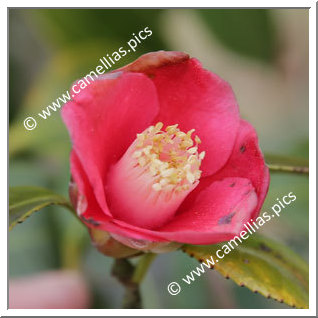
161, 157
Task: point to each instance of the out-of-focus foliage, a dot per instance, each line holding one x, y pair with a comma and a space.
252, 36
50, 48
68, 27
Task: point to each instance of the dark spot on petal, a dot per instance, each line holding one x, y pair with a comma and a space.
242, 285
212, 267
246, 261
201, 260
20, 222
268, 296
232, 184
265, 248
90, 221
293, 305
227, 277
226, 219
191, 254
255, 291
242, 149
282, 300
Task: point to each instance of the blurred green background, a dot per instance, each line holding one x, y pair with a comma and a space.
262, 53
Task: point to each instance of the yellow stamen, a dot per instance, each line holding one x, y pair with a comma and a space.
170, 156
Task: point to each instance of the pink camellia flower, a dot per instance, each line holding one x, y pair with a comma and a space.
161, 157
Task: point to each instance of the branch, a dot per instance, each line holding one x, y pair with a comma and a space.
286, 168
130, 277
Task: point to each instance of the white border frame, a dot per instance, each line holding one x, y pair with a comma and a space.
312, 155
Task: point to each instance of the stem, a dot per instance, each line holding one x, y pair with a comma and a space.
130, 277
142, 267
285, 168
123, 270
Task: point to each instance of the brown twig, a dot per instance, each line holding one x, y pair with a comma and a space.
286, 168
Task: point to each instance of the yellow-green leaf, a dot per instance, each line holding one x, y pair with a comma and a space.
263, 266
25, 200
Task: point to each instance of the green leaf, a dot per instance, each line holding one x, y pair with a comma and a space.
25, 200
262, 265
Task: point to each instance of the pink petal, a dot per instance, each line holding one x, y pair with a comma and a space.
217, 214
84, 201
91, 213
103, 120
246, 161
196, 98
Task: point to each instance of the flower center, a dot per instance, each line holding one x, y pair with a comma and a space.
159, 169
170, 157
